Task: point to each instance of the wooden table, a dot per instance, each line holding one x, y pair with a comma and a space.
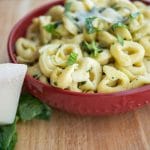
130, 131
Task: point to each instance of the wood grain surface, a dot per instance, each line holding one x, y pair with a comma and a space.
130, 131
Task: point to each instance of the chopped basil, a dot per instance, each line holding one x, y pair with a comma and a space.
118, 25
91, 48
134, 15
120, 40
51, 28
89, 25
72, 58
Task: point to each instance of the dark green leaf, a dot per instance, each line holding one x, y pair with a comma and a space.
120, 40
118, 25
72, 58
30, 108
134, 15
91, 48
8, 137
89, 25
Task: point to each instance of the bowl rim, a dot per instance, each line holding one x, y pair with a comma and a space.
10, 47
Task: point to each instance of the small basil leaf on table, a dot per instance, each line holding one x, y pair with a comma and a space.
30, 108
8, 136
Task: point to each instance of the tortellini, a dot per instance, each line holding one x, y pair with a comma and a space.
26, 50
113, 81
89, 46
128, 54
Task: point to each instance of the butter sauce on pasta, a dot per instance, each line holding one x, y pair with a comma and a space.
89, 46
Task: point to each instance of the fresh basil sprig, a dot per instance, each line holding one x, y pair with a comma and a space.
89, 25
72, 58
120, 40
51, 28
91, 48
118, 25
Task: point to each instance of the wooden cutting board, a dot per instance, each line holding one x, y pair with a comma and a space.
130, 131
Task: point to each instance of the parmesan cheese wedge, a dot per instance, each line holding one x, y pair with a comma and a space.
11, 81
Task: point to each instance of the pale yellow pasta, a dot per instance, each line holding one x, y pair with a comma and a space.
44, 35
63, 78
142, 32
145, 42
143, 8
46, 61
140, 81
133, 70
130, 75
147, 64
56, 12
89, 4
33, 32
76, 5
64, 51
89, 37
70, 26
104, 57
62, 31
136, 23
101, 24
114, 80
26, 50
75, 40
89, 46
36, 73
105, 38
124, 33
89, 72
128, 54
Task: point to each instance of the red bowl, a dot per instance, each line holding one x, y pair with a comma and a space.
73, 102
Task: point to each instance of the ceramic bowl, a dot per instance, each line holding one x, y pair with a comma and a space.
74, 102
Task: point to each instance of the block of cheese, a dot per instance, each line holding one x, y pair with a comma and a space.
11, 81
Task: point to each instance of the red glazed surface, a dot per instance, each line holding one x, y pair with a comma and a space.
73, 102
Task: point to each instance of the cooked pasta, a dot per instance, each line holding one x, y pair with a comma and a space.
89, 46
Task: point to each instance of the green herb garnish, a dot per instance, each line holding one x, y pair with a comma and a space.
8, 137
72, 58
118, 25
31, 108
120, 40
134, 15
51, 28
91, 48
89, 25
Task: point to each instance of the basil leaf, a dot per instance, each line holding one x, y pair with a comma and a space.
91, 48
51, 28
134, 15
118, 25
8, 137
30, 108
120, 40
72, 58
89, 25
